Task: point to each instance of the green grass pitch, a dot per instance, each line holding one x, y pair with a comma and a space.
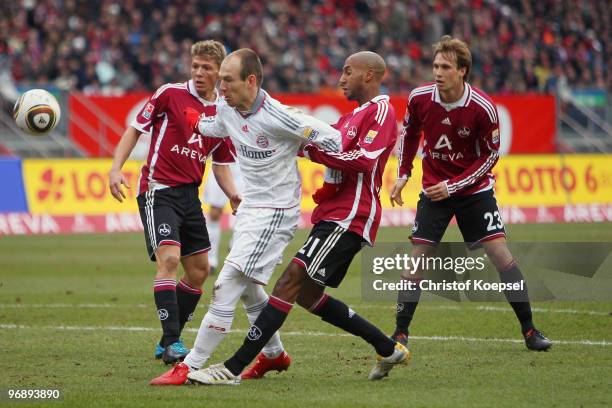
76, 313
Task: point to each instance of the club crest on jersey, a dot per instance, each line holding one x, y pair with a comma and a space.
370, 136
464, 132
352, 132
262, 141
148, 110
495, 136
245, 128
310, 133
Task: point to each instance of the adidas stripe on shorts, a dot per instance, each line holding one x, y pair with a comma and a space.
260, 237
328, 252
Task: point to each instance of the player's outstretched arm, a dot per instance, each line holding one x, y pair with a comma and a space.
352, 161
291, 123
206, 123
115, 177
224, 178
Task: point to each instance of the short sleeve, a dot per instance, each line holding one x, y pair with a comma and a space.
150, 110
223, 153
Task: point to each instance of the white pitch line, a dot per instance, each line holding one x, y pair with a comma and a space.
495, 309
366, 306
63, 305
543, 310
301, 333
69, 305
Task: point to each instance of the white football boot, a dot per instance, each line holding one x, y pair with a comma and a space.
216, 374
400, 356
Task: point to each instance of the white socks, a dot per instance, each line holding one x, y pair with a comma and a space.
214, 234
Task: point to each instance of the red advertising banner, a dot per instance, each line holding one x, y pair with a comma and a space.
527, 122
35, 224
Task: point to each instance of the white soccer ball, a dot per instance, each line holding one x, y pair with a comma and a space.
37, 112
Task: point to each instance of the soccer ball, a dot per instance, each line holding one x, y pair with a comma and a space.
36, 112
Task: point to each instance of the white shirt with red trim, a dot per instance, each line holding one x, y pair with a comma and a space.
267, 139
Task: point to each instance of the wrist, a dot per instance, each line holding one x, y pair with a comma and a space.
446, 186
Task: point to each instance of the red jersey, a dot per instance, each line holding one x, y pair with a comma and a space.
461, 139
368, 134
177, 155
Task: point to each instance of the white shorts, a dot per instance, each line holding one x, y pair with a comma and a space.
260, 237
213, 195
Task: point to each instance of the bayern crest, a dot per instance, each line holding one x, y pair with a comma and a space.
262, 141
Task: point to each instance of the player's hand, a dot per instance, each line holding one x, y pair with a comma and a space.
115, 180
438, 192
193, 117
396, 192
325, 192
235, 201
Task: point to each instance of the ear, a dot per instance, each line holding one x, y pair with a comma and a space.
462, 71
252, 80
369, 75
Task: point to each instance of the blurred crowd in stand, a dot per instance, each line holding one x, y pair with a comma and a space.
112, 46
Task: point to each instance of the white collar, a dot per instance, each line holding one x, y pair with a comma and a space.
257, 104
463, 101
371, 101
192, 90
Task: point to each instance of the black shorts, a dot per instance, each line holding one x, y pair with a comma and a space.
328, 252
173, 216
477, 215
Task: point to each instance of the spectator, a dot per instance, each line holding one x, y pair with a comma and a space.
517, 44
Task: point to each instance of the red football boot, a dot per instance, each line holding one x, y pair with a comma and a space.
175, 376
263, 365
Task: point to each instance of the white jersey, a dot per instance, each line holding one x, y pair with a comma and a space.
267, 140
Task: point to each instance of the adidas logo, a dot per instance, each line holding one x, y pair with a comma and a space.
321, 272
446, 121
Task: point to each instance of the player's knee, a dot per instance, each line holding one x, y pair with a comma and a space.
419, 251
499, 254
168, 263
